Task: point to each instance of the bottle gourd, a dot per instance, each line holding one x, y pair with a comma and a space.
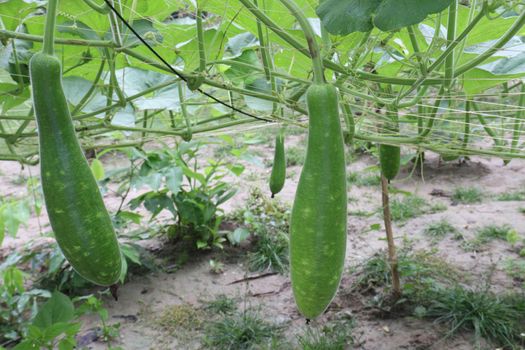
80, 221
319, 214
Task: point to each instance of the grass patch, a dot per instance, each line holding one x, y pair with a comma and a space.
515, 268
241, 331
267, 221
511, 196
333, 336
407, 208
270, 252
439, 229
222, 304
181, 317
295, 156
418, 271
499, 319
486, 234
490, 232
364, 179
467, 195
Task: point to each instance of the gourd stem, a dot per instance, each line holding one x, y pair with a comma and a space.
200, 39
519, 119
392, 256
451, 36
49, 34
102, 9
417, 49
313, 45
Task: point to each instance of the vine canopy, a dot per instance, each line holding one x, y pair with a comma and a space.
439, 75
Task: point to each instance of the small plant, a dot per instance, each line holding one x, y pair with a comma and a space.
490, 232
222, 304
489, 316
334, 336
467, 195
439, 229
192, 197
240, 331
216, 267
17, 305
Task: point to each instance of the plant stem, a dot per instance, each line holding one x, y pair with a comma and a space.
518, 119
7, 34
451, 37
200, 39
392, 257
102, 9
313, 45
49, 34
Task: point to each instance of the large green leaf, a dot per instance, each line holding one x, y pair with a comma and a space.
13, 12
57, 309
342, 17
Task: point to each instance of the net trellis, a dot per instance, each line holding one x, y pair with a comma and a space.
452, 118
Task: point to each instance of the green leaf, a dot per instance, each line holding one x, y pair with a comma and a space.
342, 17
396, 14
13, 12
6, 82
239, 235
98, 169
174, 179
130, 216
58, 308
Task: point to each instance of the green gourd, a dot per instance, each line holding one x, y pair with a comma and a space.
80, 221
390, 160
278, 176
319, 214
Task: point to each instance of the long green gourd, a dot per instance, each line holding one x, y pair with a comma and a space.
319, 213
389, 155
278, 176
80, 221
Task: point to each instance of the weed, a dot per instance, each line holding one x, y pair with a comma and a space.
515, 268
295, 156
438, 207
240, 331
495, 318
222, 304
467, 195
361, 213
511, 196
419, 271
490, 232
334, 336
270, 252
364, 179
181, 317
407, 208
267, 221
439, 229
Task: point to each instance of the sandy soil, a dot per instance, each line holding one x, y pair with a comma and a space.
145, 298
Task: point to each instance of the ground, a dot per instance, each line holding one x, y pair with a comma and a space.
143, 301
